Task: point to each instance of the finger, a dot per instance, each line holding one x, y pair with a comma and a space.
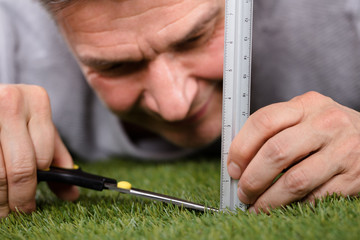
343, 185
41, 128
42, 136
346, 152
260, 126
4, 206
298, 182
20, 165
278, 153
62, 158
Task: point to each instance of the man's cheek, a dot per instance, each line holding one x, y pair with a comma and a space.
211, 60
119, 99
211, 66
119, 95
214, 69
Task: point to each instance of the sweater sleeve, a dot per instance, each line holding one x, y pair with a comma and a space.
7, 46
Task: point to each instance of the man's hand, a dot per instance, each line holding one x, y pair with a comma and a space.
314, 138
29, 141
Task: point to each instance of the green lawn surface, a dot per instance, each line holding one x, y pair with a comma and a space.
110, 215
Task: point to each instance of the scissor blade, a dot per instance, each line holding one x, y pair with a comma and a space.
162, 198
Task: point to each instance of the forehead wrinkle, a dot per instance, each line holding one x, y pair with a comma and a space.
119, 10
199, 21
75, 21
189, 13
139, 11
101, 39
111, 56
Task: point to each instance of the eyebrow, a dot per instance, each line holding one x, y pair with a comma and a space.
55, 6
99, 62
197, 27
95, 62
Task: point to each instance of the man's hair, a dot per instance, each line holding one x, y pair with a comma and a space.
56, 5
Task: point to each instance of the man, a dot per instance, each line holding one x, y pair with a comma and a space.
158, 65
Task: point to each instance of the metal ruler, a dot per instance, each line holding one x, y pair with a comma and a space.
236, 89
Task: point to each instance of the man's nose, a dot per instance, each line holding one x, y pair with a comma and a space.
169, 89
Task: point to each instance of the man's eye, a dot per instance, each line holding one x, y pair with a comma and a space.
121, 69
108, 68
194, 39
198, 40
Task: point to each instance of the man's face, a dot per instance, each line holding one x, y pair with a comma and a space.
155, 63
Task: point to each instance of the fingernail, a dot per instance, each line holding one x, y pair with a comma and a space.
234, 170
252, 210
242, 196
240, 193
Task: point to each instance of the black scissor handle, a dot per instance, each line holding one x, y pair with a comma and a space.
74, 177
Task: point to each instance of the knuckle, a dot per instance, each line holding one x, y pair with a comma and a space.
22, 175
9, 92
314, 96
43, 162
262, 120
331, 119
297, 182
3, 180
348, 155
4, 206
40, 92
275, 150
10, 100
41, 98
350, 146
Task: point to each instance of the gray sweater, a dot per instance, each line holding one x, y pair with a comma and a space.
299, 45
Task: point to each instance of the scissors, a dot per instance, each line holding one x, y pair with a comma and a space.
80, 178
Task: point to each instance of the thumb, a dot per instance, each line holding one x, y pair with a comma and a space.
62, 158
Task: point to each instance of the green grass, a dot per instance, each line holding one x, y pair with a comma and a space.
109, 215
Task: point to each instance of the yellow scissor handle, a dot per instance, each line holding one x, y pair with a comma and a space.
124, 185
